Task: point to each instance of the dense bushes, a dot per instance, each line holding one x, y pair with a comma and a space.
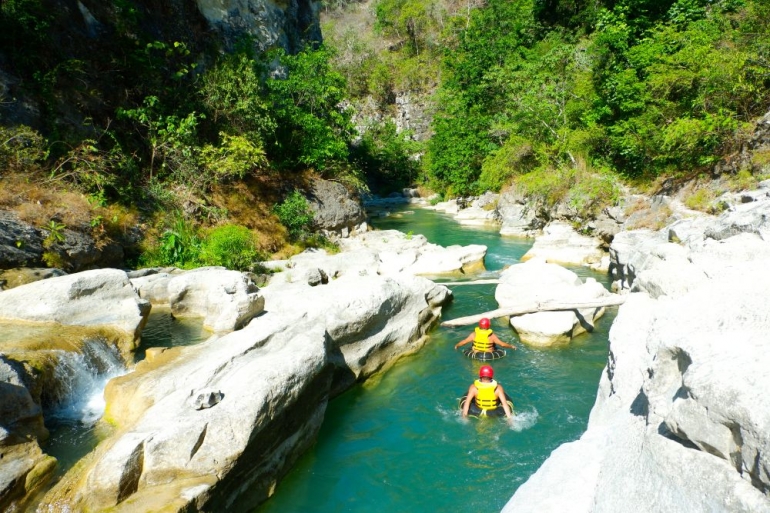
639, 87
295, 214
182, 245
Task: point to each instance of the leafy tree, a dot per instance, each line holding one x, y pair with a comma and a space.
387, 157
170, 137
312, 128
233, 94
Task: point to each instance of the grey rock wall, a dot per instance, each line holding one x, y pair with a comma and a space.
682, 418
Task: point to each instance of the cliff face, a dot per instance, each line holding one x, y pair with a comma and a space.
286, 24
681, 416
84, 84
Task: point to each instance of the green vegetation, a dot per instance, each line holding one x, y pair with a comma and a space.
173, 125
563, 100
643, 88
231, 246
386, 157
636, 89
295, 214
183, 245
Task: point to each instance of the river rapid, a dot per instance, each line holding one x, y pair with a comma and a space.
398, 443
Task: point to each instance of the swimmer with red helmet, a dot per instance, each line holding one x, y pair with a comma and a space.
486, 396
485, 343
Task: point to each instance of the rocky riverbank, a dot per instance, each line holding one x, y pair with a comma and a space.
216, 425
682, 418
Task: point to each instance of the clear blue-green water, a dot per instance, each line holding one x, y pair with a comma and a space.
74, 429
400, 443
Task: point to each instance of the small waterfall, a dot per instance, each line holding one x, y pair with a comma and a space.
79, 379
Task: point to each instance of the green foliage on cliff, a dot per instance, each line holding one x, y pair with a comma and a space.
311, 127
385, 155
639, 87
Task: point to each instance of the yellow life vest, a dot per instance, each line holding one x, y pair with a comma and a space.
485, 397
481, 341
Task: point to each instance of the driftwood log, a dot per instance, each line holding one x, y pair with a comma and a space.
475, 282
544, 306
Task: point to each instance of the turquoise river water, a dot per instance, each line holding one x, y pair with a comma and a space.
399, 443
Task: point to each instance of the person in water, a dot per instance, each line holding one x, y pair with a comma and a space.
484, 341
486, 395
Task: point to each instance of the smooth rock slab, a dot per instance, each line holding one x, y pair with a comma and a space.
103, 297
227, 300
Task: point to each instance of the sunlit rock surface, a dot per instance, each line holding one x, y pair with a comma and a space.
272, 380
560, 243
537, 281
102, 297
682, 416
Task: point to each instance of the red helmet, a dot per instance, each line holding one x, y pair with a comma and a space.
484, 324
486, 372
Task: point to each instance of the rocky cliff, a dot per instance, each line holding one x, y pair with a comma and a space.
682, 418
88, 91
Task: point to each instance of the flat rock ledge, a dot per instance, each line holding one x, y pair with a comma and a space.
215, 426
682, 415
561, 244
102, 297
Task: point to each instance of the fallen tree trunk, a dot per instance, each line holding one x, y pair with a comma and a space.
545, 306
475, 282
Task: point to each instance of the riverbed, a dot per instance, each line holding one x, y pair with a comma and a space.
398, 443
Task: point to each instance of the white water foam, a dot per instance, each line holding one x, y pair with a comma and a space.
522, 420
80, 379
452, 415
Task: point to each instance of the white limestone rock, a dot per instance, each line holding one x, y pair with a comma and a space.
560, 243
481, 211
227, 300
395, 252
102, 297
682, 416
536, 281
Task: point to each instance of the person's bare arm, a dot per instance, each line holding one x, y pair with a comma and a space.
503, 401
467, 339
471, 395
494, 338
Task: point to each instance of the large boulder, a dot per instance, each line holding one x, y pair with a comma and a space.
674, 260
78, 251
24, 466
560, 243
481, 211
537, 281
335, 209
98, 298
517, 216
227, 300
21, 244
393, 252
